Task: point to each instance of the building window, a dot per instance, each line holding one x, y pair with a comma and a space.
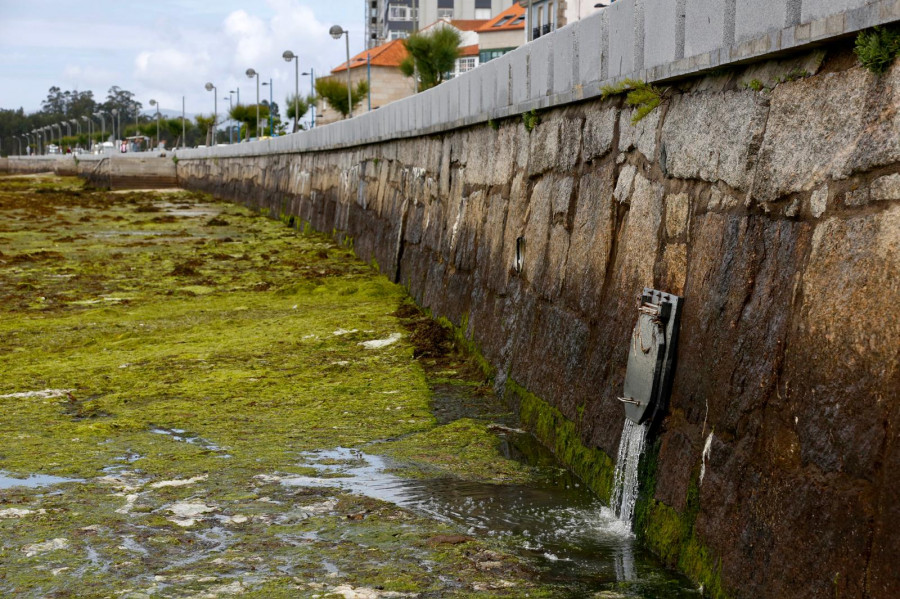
397, 35
399, 13
489, 55
482, 14
445, 13
463, 65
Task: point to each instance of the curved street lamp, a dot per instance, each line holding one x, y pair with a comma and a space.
336, 32
251, 74
288, 56
212, 88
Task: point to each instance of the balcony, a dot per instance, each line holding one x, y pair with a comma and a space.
546, 29
536, 33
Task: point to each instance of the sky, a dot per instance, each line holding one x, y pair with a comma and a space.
166, 49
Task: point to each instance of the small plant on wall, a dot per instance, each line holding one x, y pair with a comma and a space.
878, 48
641, 95
531, 119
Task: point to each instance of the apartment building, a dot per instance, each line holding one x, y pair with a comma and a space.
388, 20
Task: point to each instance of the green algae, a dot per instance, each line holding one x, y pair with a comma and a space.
553, 429
670, 534
192, 359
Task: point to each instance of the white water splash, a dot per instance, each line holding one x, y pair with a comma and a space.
707, 450
625, 479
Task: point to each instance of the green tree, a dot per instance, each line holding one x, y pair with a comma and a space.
205, 125
335, 93
431, 55
246, 114
302, 103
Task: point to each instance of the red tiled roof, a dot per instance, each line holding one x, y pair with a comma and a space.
469, 50
509, 18
468, 24
390, 54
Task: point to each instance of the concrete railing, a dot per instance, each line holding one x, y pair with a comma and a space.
651, 40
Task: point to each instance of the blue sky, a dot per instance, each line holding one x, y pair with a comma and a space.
166, 49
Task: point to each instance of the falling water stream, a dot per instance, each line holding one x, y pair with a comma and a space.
625, 479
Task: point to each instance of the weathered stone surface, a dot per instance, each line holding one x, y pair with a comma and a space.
641, 136
853, 268
818, 201
674, 268
886, 188
599, 128
714, 136
677, 207
639, 240
591, 241
835, 112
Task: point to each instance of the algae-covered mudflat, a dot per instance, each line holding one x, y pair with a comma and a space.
194, 398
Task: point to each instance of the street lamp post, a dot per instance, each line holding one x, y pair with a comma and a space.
251, 74
288, 57
116, 124
271, 100
228, 120
102, 127
212, 88
312, 85
90, 123
183, 127
137, 130
155, 103
336, 32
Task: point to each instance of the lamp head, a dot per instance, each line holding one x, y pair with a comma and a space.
210, 87
336, 31
152, 102
288, 56
251, 73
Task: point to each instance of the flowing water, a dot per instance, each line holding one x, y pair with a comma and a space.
625, 480
570, 536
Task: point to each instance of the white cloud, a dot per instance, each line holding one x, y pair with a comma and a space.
169, 49
243, 40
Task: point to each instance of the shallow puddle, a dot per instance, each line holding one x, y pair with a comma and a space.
559, 525
34, 481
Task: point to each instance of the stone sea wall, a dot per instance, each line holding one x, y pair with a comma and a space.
775, 213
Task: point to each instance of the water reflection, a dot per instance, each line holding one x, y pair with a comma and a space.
33, 481
571, 536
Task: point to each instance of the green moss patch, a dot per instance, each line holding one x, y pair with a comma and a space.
560, 434
178, 355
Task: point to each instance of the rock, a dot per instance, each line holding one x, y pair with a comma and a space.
179, 482
641, 136
599, 127
814, 128
677, 207
818, 201
639, 239
448, 540
886, 188
45, 547
714, 136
